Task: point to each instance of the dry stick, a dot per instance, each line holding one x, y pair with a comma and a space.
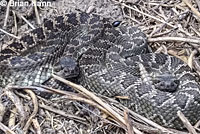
151, 130
143, 119
36, 12
128, 123
196, 126
80, 98
35, 110
132, 19
37, 126
94, 97
164, 130
22, 17
195, 11
52, 90
157, 128
141, 126
77, 97
162, 48
111, 111
162, 25
2, 110
6, 129
17, 103
22, 95
167, 21
69, 95
146, 128
190, 59
12, 118
55, 124
159, 20
198, 4
195, 30
136, 131
186, 123
7, 13
60, 112
90, 9
158, 4
179, 39
12, 35
163, 33
15, 22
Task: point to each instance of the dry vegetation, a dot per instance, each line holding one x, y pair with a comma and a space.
172, 27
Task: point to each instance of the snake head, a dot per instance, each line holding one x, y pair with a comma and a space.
166, 82
66, 67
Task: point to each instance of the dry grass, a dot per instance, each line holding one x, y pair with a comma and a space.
171, 26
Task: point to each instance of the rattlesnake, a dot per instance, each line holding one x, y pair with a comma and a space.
113, 60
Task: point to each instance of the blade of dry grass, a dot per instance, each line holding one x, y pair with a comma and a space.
94, 97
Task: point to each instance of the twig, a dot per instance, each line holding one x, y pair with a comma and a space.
17, 103
7, 13
178, 39
90, 9
35, 110
36, 126
6, 129
132, 19
128, 122
68, 95
190, 59
12, 118
107, 107
81, 98
94, 97
12, 35
60, 112
36, 12
118, 107
155, 18
130, 128
22, 17
196, 126
195, 30
2, 111
194, 10
164, 130
150, 16
15, 22
198, 4
186, 123
55, 123
162, 49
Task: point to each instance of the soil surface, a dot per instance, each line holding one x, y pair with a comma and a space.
64, 115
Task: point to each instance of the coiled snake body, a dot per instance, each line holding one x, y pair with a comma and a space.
113, 60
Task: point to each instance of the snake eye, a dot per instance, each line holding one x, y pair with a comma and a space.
116, 23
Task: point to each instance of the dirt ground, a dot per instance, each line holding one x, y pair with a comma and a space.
166, 24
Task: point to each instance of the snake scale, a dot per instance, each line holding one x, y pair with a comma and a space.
113, 59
